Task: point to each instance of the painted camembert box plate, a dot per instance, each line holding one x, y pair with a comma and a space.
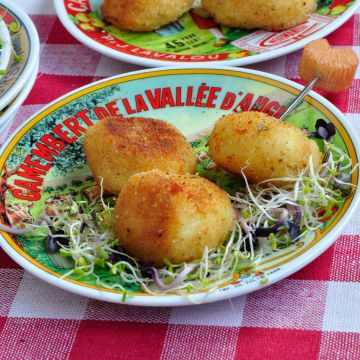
43, 164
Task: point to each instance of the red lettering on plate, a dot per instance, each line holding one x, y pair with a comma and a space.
26, 195
101, 112
78, 5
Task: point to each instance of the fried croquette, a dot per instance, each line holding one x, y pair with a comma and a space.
118, 147
160, 215
143, 15
261, 146
271, 15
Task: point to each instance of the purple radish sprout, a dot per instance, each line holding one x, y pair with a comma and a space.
246, 229
244, 225
42, 218
297, 210
323, 173
265, 232
324, 130
282, 217
89, 224
181, 277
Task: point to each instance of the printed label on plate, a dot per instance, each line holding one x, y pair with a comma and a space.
263, 41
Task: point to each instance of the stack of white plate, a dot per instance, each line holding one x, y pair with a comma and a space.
19, 59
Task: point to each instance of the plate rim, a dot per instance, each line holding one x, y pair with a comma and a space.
34, 53
7, 53
19, 99
178, 300
142, 61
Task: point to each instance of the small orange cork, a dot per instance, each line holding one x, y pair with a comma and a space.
336, 67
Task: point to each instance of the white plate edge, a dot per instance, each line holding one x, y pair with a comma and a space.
20, 98
6, 49
34, 53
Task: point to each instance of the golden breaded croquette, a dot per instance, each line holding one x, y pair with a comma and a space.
262, 146
118, 147
143, 15
160, 215
271, 15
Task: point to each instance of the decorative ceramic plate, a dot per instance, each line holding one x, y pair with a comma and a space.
5, 47
190, 99
195, 39
24, 54
10, 110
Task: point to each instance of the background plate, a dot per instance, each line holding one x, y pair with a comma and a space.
9, 111
25, 41
194, 39
183, 99
5, 46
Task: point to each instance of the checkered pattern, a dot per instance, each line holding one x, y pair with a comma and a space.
314, 314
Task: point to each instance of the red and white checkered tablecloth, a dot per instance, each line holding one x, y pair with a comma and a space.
314, 314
